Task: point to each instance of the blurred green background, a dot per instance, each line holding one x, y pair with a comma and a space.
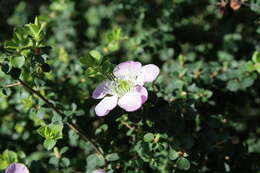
205, 103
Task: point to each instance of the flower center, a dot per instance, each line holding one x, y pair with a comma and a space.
122, 86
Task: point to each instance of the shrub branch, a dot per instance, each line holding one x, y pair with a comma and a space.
72, 126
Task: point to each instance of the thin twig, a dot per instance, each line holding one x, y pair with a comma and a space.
128, 126
12, 85
72, 126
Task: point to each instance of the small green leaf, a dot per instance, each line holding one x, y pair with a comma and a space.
173, 155
10, 156
183, 163
96, 55
63, 150
21, 154
94, 161
18, 61
148, 137
34, 29
257, 67
65, 162
54, 161
10, 46
92, 60
56, 131
101, 129
112, 157
87, 60
41, 131
113, 46
233, 85
181, 59
107, 67
56, 128
6, 91
49, 143
256, 57
93, 72
51, 131
247, 82
250, 66
3, 164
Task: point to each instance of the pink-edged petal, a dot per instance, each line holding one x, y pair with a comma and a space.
131, 101
128, 68
143, 92
150, 72
17, 168
106, 105
99, 171
101, 91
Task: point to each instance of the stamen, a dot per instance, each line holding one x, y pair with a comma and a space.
120, 87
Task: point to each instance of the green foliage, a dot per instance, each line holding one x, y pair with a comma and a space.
97, 66
173, 155
183, 163
148, 137
51, 133
92, 59
112, 157
256, 61
27, 51
202, 114
36, 30
256, 57
112, 39
8, 157
94, 162
17, 61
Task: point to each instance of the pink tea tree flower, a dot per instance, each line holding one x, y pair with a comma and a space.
125, 87
17, 168
99, 171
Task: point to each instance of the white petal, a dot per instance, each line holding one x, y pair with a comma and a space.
140, 79
131, 101
106, 105
128, 70
150, 72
